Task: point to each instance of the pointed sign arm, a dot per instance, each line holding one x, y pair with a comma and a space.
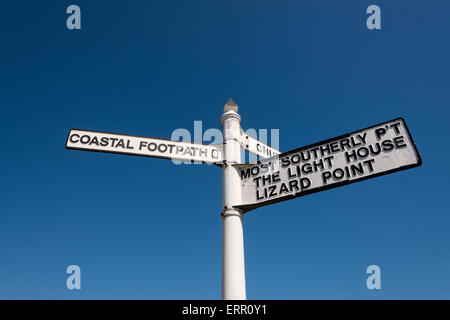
89, 140
368, 153
257, 147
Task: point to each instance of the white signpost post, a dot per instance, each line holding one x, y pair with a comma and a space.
371, 152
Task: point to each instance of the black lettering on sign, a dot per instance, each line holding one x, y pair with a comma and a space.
94, 140
356, 169
162, 148
293, 185
272, 191
104, 141
121, 144
128, 145
379, 133
142, 144
363, 152
85, 139
283, 188
255, 170
395, 127
362, 137
334, 147
264, 167
345, 143
354, 142
348, 172
113, 140
290, 175
374, 152
307, 168
266, 180
318, 164
258, 196
245, 174
350, 155
399, 142
369, 164
295, 158
387, 145
328, 160
276, 177
304, 158
326, 176
325, 148
305, 183
314, 150
76, 137
152, 146
290, 187
338, 173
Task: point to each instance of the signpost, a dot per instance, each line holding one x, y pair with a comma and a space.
371, 152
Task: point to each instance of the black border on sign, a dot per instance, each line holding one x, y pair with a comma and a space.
248, 207
219, 163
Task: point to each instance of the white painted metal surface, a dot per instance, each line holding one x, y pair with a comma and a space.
233, 267
255, 146
143, 146
367, 153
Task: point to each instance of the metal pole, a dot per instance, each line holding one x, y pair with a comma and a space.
233, 268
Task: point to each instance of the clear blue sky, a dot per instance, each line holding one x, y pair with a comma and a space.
148, 229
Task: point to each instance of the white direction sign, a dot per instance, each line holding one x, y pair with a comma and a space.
255, 146
143, 146
371, 152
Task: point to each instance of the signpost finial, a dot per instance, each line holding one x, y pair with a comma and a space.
230, 105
